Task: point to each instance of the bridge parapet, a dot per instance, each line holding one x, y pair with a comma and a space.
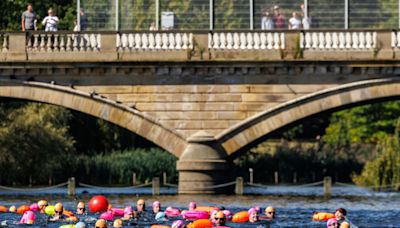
252, 45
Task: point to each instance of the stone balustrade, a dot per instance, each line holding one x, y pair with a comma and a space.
154, 41
249, 45
344, 40
64, 42
246, 40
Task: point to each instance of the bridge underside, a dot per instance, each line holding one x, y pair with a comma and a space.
203, 113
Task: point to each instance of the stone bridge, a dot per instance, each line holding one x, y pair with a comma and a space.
206, 97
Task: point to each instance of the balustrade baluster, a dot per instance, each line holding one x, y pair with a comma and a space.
302, 40
171, 39
263, 41
256, 41
190, 41
29, 46
5, 43
335, 40
243, 43
178, 41
215, 41
165, 41
75, 44
394, 40
56, 46
222, 40
348, 40
81, 44
185, 41
229, 40
361, 38
62, 42
68, 45
145, 41
321, 40
368, 40
42, 42
124, 42
210, 40
315, 41
282, 41
277, 41
131, 41
152, 42
93, 42
355, 40
138, 41
342, 40
270, 41
35, 42
119, 42
249, 40
98, 42
308, 40
328, 40
374, 40
236, 40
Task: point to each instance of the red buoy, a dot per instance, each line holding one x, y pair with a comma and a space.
98, 204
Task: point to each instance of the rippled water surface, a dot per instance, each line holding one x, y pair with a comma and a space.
294, 206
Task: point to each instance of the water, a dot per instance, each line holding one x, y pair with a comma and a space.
294, 206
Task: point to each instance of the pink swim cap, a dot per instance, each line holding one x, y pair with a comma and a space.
192, 205
178, 224
227, 213
28, 217
330, 222
34, 207
156, 204
128, 210
252, 210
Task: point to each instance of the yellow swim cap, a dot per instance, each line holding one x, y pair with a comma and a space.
42, 203
12, 209
118, 223
101, 223
220, 214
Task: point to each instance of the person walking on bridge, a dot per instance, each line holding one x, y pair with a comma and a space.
28, 19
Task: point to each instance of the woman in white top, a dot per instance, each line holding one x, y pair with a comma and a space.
50, 22
295, 21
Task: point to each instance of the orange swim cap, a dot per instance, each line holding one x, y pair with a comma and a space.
101, 223
58, 207
42, 203
220, 214
81, 205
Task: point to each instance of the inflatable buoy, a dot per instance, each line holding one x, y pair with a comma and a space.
34, 207
241, 216
322, 216
27, 218
3, 209
108, 215
72, 218
194, 215
68, 213
159, 226
22, 209
172, 212
117, 211
201, 223
206, 208
98, 204
49, 210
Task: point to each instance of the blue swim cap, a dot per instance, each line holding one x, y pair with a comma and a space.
160, 216
80, 225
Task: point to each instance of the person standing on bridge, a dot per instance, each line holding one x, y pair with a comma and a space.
51, 21
28, 19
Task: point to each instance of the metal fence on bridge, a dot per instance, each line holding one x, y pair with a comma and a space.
234, 14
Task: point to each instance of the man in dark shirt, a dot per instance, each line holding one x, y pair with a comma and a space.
28, 19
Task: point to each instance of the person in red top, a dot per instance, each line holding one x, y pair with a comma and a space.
279, 18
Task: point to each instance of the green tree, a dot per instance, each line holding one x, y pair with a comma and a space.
34, 140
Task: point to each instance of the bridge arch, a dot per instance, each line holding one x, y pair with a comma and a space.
95, 105
253, 130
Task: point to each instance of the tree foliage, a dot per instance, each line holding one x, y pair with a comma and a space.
34, 140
